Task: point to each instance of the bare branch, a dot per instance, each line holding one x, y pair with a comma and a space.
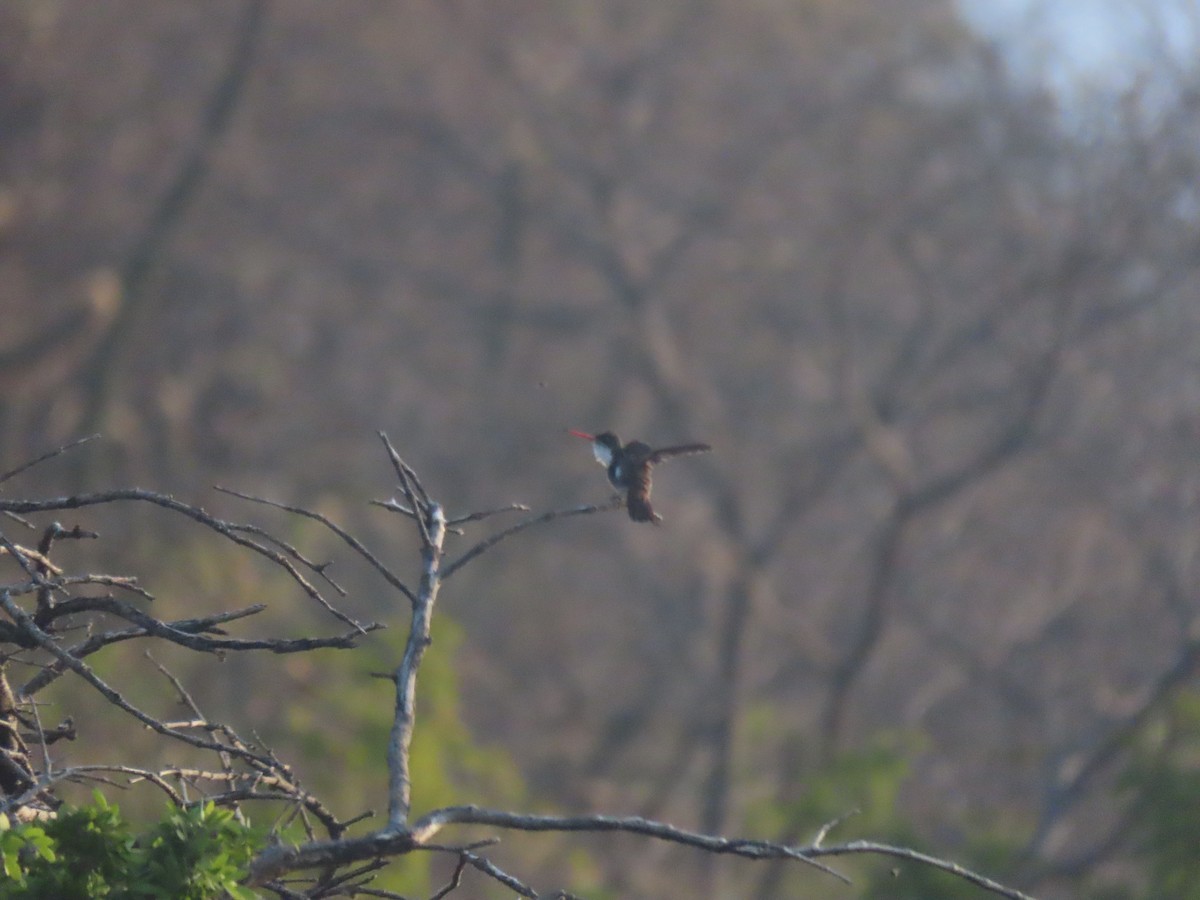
345, 862
399, 782
391, 842
11, 473
830, 825
98, 641
349, 539
877, 849
320, 568
414, 492
185, 696
227, 529
187, 637
20, 553
455, 879
484, 514
394, 506
80, 668
254, 783
279, 859
429, 825
487, 867
487, 544
76, 773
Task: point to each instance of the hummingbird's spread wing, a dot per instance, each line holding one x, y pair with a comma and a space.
638, 500
682, 450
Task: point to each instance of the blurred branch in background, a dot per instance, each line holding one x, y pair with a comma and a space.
99, 369
933, 307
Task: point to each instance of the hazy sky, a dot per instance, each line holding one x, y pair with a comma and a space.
1088, 45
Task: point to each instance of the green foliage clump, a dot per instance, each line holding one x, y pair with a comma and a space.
193, 853
1163, 777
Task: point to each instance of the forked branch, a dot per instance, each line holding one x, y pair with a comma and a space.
252, 773
399, 837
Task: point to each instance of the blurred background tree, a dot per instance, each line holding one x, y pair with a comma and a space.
936, 315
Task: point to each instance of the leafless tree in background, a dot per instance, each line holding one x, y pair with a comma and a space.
942, 344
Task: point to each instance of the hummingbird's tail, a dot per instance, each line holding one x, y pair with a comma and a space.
640, 509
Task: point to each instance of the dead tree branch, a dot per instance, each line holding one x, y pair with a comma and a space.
398, 837
488, 543
49, 454
248, 773
229, 530
279, 860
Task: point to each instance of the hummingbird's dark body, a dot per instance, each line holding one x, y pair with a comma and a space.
629, 468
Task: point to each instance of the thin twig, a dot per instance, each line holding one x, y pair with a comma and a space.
342, 884
876, 849
487, 867
45, 456
47, 762
394, 506
830, 825
46, 642
413, 491
190, 702
487, 513
19, 553
489, 542
99, 641
73, 773
455, 879
184, 697
320, 568
349, 539
149, 625
227, 529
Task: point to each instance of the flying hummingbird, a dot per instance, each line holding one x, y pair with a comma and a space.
629, 468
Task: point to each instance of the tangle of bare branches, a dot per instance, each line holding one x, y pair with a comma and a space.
43, 601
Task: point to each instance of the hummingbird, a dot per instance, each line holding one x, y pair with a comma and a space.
629, 468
